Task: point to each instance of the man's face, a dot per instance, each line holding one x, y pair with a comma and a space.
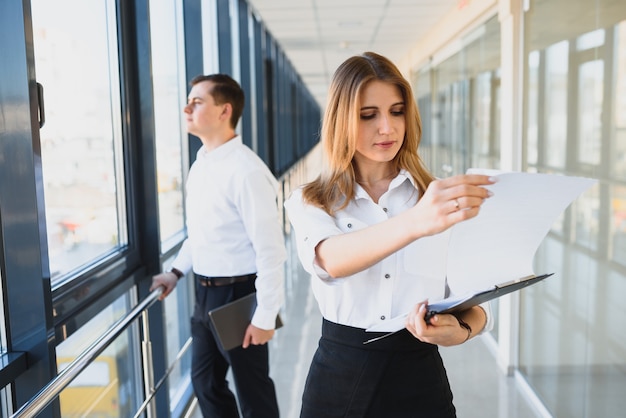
203, 116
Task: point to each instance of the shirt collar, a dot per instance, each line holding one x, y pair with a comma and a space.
402, 176
221, 151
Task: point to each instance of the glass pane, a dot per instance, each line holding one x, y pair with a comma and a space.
76, 62
481, 121
591, 91
618, 156
168, 77
617, 244
532, 108
555, 134
109, 386
6, 401
178, 308
590, 40
585, 218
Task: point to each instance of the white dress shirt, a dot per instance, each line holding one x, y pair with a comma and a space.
233, 224
387, 289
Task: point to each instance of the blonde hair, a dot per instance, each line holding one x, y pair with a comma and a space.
334, 188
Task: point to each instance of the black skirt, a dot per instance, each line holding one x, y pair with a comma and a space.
397, 376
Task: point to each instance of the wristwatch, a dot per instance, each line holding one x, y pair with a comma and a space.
465, 325
179, 274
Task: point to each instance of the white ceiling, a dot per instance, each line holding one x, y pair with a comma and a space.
317, 35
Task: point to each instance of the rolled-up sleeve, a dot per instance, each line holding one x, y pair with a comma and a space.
311, 225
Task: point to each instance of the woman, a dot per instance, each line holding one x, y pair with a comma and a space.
371, 230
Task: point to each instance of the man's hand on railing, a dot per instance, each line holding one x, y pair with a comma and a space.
167, 280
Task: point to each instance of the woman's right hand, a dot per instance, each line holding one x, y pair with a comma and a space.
449, 201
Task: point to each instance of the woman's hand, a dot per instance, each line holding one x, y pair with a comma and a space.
442, 329
449, 201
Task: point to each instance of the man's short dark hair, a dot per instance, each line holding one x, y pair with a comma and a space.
225, 90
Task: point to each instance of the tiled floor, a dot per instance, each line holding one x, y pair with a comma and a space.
480, 390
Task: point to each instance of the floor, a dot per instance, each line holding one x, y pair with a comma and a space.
480, 390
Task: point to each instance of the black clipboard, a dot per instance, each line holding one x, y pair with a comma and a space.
452, 305
231, 320
459, 304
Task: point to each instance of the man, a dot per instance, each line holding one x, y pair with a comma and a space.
235, 246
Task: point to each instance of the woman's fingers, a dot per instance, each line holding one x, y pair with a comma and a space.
459, 193
415, 322
449, 201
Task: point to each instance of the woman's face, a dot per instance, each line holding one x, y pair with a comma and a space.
381, 124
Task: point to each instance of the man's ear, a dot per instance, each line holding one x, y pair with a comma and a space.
227, 110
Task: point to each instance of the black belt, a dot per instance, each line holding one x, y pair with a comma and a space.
224, 281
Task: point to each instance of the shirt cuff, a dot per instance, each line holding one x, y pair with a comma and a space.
264, 319
490, 321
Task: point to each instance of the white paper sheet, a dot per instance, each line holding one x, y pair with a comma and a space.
500, 243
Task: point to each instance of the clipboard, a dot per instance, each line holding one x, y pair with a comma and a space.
230, 321
458, 304
452, 305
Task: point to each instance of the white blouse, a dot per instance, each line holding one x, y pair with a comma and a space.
387, 289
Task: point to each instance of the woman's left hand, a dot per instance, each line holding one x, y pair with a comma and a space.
442, 329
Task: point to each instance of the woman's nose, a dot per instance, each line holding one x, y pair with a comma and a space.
385, 125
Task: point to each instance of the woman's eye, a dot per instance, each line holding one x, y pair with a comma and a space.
397, 112
368, 116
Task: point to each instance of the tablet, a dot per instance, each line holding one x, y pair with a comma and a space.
231, 320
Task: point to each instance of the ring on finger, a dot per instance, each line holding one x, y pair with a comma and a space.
456, 204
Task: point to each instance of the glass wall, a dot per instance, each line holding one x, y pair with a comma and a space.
458, 100
572, 349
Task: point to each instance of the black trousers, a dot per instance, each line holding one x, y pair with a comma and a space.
209, 364
398, 376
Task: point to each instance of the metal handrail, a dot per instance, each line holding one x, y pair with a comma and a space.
49, 392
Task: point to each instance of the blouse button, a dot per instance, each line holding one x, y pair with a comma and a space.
387, 276
385, 209
382, 317
349, 225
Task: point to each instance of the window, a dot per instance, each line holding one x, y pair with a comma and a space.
111, 385
76, 63
170, 96
569, 352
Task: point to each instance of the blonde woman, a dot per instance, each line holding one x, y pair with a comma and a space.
372, 232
